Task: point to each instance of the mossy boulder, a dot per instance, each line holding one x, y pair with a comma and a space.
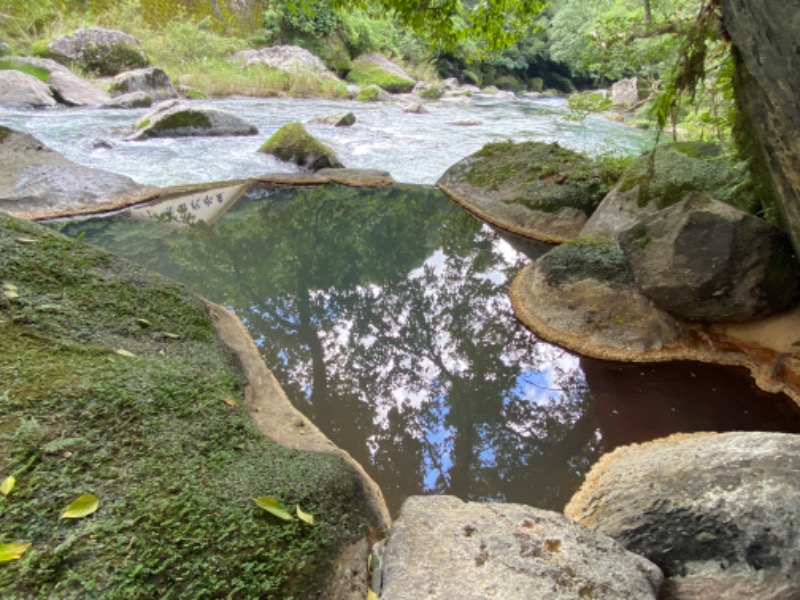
151, 80
653, 182
99, 51
539, 190
429, 91
292, 143
373, 69
178, 119
344, 119
371, 93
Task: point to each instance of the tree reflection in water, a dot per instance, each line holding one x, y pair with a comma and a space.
384, 314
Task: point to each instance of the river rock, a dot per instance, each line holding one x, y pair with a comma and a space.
19, 89
372, 93
535, 189
67, 87
292, 143
132, 100
173, 118
652, 183
717, 512
415, 108
100, 51
345, 119
625, 93
289, 59
703, 260
36, 181
583, 296
429, 91
442, 548
152, 80
374, 69
767, 85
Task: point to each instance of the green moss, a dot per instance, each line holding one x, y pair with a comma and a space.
601, 260
536, 84
589, 102
113, 60
363, 74
5, 132
40, 73
41, 49
184, 119
371, 93
293, 143
143, 124
547, 176
193, 94
174, 466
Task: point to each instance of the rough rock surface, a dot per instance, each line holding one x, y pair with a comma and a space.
345, 119
151, 80
703, 260
20, 89
132, 100
442, 548
289, 59
578, 295
676, 170
767, 85
538, 190
36, 181
415, 108
717, 512
101, 51
173, 118
292, 143
625, 92
67, 87
375, 69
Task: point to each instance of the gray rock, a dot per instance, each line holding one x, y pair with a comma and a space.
289, 59
650, 184
442, 548
767, 84
625, 93
415, 108
97, 50
292, 143
717, 512
67, 87
375, 69
152, 81
174, 118
535, 189
132, 100
345, 119
37, 181
703, 260
20, 89
429, 91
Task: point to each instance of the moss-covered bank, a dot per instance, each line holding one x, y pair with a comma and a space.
150, 433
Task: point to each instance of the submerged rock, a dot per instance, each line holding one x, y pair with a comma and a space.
292, 143
374, 69
100, 51
703, 260
538, 190
152, 81
178, 119
23, 90
442, 548
716, 512
345, 119
651, 183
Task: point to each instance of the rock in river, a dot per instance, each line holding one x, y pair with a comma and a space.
292, 143
180, 119
151, 80
19, 89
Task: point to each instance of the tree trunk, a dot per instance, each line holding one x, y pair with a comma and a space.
648, 14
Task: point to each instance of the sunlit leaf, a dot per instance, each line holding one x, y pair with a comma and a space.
7, 485
125, 353
23, 240
81, 507
371, 595
274, 506
144, 323
9, 552
304, 516
171, 336
230, 402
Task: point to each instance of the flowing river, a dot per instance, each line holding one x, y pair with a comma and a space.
384, 313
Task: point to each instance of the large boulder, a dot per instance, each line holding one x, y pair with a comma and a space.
703, 260
767, 86
653, 182
179, 119
716, 512
583, 296
37, 182
374, 69
67, 87
132, 100
100, 51
442, 548
292, 143
625, 93
535, 189
152, 81
19, 89
289, 59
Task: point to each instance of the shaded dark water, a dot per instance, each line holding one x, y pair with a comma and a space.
385, 316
